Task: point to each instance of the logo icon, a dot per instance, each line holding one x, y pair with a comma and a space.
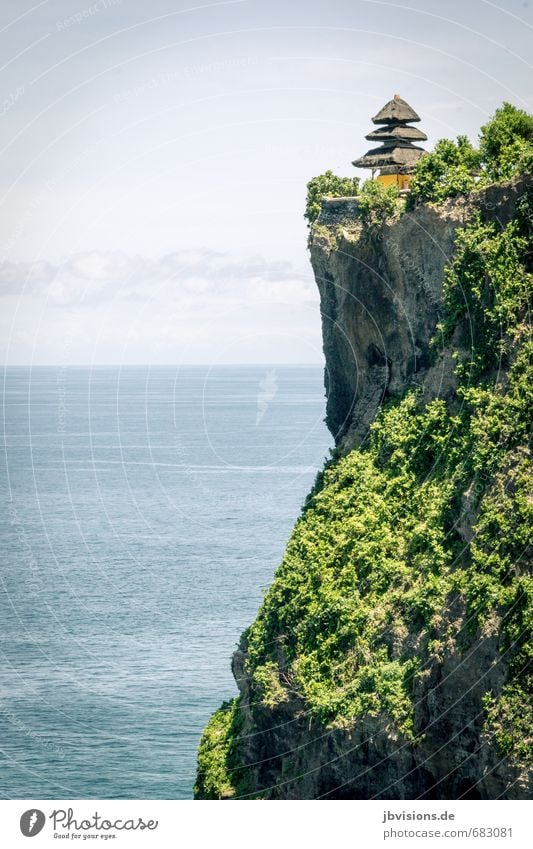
32, 822
268, 389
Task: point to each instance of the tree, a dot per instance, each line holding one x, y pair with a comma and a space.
506, 142
449, 170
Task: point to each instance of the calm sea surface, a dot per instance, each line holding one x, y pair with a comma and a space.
144, 510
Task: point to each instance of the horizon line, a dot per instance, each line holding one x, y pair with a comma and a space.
156, 365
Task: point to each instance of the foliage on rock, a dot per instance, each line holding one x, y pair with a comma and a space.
214, 779
327, 185
377, 203
506, 143
449, 170
456, 168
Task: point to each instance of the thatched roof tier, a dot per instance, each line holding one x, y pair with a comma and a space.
396, 110
396, 169
400, 154
397, 131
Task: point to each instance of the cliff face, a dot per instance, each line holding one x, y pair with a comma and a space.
389, 659
381, 299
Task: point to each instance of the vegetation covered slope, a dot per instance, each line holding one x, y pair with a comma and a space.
412, 549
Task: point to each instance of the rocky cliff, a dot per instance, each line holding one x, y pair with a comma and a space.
390, 657
381, 299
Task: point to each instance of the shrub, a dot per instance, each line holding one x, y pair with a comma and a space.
455, 168
510, 718
377, 203
214, 779
448, 171
327, 185
487, 284
506, 142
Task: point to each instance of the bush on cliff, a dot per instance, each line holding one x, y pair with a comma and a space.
455, 168
449, 170
377, 203
506, 143
327, 185
214, 779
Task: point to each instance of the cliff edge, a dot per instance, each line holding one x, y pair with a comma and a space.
391, 656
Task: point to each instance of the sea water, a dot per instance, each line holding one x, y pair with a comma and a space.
144, 513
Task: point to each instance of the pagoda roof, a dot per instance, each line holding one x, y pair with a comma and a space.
396, 111
397, 153
401, 154
397, 131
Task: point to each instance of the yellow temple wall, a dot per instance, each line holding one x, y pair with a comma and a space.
400, 180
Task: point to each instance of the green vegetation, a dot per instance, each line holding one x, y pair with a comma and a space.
375, 558
450, 169
511, 719
377, 583
377, 203
214, 779
506, 143
456, 168
327, 185
487, 286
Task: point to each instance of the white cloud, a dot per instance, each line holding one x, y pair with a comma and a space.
191, 277
187, 306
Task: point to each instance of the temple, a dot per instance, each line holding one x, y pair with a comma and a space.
396, 156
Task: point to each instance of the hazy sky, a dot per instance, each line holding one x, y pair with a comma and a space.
154, 157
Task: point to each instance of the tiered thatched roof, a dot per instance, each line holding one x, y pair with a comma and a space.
397, 131
397, 153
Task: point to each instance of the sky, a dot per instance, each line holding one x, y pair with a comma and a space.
154, 158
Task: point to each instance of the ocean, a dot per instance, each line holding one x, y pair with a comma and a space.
145, 510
